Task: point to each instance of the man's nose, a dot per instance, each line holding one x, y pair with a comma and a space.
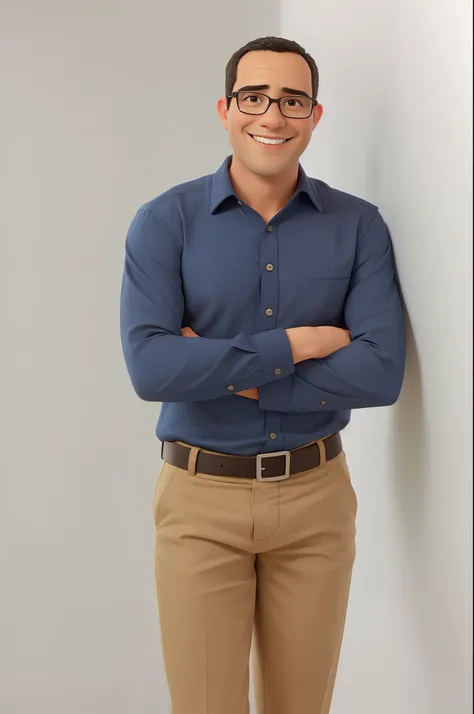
273, 116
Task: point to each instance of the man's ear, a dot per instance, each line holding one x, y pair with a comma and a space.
222, 111
317, 114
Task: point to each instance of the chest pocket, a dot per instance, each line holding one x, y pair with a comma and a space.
313, 300
313, 285
328, 263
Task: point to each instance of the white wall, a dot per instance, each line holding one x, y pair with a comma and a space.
85, 141
396, 86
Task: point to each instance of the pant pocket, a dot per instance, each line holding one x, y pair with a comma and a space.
165, 478
344, 468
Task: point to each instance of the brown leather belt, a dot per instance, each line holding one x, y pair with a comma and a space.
272, 466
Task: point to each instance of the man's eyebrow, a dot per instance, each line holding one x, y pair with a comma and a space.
259, 87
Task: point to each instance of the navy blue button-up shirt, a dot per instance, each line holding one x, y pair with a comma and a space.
197, 256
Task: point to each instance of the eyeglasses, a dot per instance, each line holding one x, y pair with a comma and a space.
292, 107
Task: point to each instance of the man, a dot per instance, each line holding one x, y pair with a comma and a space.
260, 307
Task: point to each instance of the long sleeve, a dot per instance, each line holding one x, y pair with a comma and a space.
368, 372
163, 365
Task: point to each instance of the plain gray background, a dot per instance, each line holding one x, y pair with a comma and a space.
86, 139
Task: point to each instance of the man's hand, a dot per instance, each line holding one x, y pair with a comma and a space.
188, 332
316, 342
249, 393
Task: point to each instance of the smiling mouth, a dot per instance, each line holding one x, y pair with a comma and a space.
268, 141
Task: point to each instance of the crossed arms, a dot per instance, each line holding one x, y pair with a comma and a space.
166, 366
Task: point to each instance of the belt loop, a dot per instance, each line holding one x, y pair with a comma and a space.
322, 452
193, 454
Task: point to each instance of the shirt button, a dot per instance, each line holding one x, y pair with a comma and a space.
269, 312
277, 370
231, 387
273, 435
269, 267
269, 229
324, 403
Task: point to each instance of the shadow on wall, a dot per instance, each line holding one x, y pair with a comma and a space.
411, 468
409, 456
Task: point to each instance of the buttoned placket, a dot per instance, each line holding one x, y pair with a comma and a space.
268, 313
268, 318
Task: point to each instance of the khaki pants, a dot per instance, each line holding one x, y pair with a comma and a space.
236, 557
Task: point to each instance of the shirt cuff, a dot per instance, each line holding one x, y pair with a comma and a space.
276, 396
275, 354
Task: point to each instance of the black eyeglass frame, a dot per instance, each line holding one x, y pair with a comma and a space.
271, 100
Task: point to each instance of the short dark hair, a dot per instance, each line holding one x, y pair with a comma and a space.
270, 44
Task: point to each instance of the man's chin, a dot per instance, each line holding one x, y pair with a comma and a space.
270, 168
267, 166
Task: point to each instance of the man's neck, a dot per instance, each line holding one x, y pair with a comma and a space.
266, 195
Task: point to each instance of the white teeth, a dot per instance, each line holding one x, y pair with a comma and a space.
270, 141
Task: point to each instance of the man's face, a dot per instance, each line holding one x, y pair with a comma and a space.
277, 70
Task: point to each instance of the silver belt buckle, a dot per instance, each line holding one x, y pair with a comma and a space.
270, 455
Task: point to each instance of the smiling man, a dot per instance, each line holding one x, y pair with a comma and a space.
259, 306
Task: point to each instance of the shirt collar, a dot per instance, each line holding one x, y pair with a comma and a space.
222, 187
